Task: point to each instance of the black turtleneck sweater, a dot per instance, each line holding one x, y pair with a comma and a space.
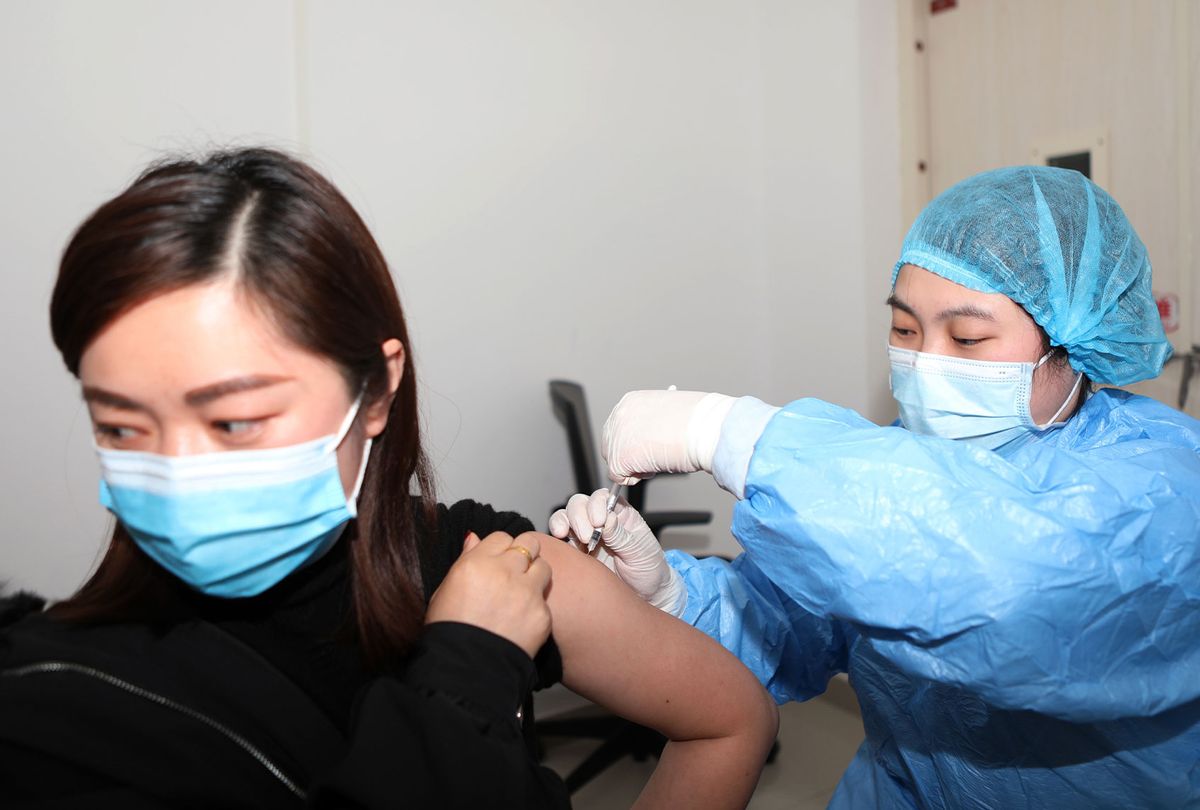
264, 702
302, 625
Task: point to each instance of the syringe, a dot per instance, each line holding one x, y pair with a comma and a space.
614, 492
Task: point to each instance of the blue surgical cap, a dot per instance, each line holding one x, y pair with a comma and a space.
1058, 245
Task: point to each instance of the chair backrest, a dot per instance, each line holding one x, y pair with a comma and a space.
570, 406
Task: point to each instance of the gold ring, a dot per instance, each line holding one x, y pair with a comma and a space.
518, 547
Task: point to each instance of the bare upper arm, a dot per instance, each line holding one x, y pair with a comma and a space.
641, 663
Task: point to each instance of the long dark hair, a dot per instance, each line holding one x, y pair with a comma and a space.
302, 254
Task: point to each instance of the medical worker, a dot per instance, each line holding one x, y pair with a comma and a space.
1010, 575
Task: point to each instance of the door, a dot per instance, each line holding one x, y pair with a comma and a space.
1106, 84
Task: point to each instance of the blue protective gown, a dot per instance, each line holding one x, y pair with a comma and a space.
1021, 627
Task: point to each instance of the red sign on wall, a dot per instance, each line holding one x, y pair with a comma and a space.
1168, 310
936, 6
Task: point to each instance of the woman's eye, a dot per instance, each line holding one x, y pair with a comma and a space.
968, 341
236, 427
900, 331
112, 434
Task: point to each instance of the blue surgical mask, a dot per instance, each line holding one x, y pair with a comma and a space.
979, 401
232, 524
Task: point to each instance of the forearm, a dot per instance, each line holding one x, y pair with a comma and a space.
718, 772
656, 671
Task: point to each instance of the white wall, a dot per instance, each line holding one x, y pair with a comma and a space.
630, 194
88, 93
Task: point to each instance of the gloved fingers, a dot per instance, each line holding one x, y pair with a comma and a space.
597, 506
647, 433
575, 520
611, 441
628, 517
599, 516
610, 526
559, 526
633, 544
578, 518
616, 541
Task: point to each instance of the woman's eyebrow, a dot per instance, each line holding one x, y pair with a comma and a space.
896, 303
234, 385
965, 311
99, 396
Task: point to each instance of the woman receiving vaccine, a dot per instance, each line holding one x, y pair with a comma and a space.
276, 620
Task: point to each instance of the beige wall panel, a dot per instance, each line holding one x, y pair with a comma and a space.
1007, 76
1004, 76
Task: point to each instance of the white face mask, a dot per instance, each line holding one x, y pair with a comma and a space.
980, 401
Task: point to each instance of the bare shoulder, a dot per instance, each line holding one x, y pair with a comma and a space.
577, 577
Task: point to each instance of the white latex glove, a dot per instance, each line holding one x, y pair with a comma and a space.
663, 431
627, 547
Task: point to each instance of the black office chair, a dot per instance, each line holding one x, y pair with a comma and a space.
620, 737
